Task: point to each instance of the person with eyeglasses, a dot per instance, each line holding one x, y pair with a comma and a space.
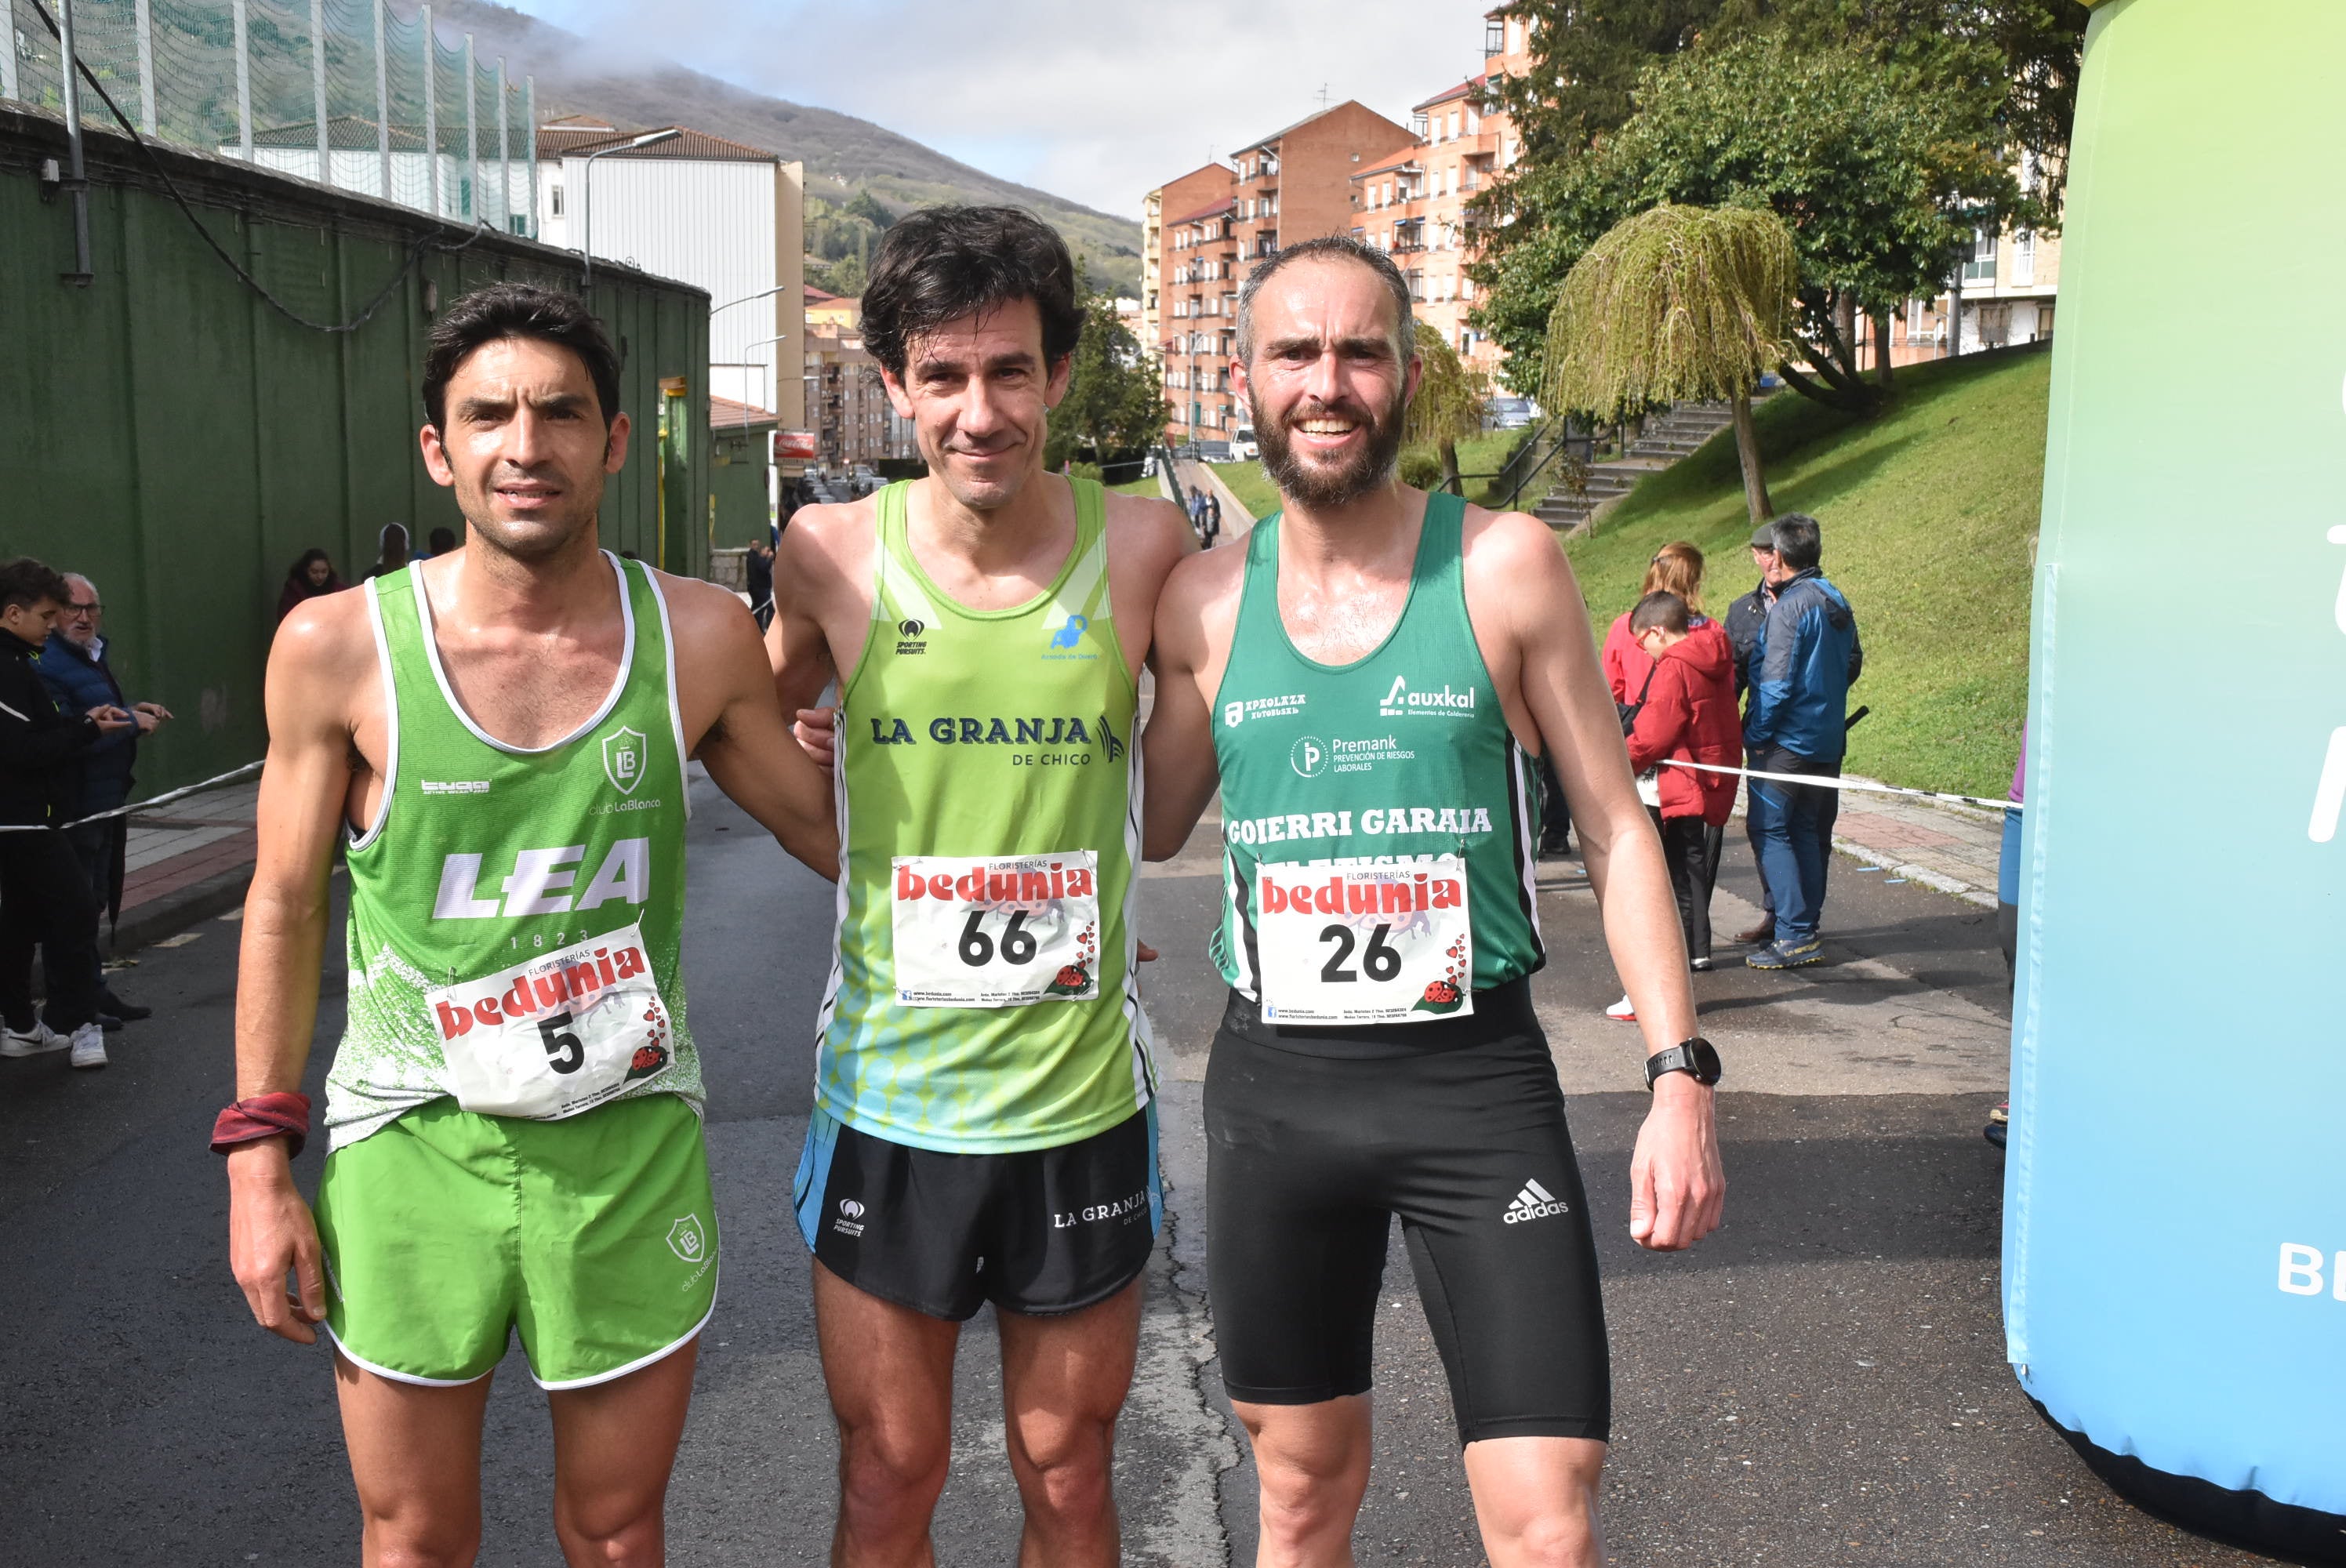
73, 664
44, 900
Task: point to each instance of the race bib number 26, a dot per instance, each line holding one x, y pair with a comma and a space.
995, 931
1386, 943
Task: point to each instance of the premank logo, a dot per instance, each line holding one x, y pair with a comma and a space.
1534, 1202
1404, 700
1308, 756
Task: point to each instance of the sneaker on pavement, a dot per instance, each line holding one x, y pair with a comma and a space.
1759, 935
36, 1041
1788, 955
1995, 1132
89, 1045
109, 1023
1699, 965
128, 1012
1622, 1011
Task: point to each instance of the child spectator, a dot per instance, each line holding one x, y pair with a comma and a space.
1688, 714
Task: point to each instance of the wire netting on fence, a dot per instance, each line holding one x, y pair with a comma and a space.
360, 93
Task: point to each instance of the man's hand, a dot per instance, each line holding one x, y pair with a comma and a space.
1676, 1186
816, 730
109, 719
149, 715
269, 1231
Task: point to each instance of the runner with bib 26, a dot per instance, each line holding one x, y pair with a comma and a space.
498, 738
1371, 682
984, 1118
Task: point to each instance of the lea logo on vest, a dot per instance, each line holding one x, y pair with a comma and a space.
541, 881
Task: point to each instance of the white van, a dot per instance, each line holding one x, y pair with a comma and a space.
1242, 445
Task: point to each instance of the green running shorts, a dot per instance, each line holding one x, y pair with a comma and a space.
594, 1237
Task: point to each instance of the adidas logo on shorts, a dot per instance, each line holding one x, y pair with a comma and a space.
1534, 1202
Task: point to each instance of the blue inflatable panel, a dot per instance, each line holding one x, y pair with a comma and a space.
2175, 1213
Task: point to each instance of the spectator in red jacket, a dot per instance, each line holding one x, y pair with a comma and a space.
1688, 714
1675, 568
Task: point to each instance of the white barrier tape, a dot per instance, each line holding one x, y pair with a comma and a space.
163, 799
1842, 782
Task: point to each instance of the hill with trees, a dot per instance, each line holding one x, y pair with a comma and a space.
857, 172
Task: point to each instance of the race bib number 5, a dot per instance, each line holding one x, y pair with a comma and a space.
1363, 944
557, 1034
996, 931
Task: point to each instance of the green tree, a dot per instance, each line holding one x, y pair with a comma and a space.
1115, 400
1880, 178
1676, 303
1448, 407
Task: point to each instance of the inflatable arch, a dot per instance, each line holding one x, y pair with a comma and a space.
2175, 1193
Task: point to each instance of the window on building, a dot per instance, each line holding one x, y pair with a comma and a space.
553, 198
1465, 287
2023, 257
1981, 268
1494, 37
1453, 125
1474, 119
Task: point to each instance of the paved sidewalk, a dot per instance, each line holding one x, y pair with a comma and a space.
1940, 845
186, 862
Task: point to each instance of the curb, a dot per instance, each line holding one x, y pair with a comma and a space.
175, 911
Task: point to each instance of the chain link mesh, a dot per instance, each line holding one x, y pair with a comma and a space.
396, 103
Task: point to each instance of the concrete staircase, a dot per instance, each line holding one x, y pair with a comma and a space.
1666, 438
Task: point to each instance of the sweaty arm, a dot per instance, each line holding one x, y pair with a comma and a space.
323, 682
1178, 771
733, 724
1677, 1188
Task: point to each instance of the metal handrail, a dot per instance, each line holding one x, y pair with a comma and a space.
1563, 442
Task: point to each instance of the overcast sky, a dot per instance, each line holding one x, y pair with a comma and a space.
1098, 102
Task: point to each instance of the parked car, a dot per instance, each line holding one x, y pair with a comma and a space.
1242, 445
1507, 414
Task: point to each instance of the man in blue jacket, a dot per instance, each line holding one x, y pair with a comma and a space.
72, 664
1807, 657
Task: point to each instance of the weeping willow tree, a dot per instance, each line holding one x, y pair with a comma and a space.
1448, 407
1679, 302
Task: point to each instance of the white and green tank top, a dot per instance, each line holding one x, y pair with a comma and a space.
516, 914
1380, 821
982, 999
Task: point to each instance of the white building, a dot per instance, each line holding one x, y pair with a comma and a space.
727, 218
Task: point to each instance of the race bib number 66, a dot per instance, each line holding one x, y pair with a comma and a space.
995, 931
1386, 943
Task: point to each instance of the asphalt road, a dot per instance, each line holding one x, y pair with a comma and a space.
1821, 1382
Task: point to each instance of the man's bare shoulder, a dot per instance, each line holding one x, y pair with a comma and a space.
1203, 587
1145, 526
841, 532
1503, 545
325, 638
700, 611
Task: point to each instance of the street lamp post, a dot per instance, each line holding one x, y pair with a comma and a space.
586, 192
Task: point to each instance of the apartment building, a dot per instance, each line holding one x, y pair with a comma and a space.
1214, 224
847, 406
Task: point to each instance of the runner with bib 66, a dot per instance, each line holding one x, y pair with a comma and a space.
1371, 682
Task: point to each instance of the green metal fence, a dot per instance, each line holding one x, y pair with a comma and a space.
168, 431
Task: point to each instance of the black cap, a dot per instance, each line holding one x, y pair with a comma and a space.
1763, 537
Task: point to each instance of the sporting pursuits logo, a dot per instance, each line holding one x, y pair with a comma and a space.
623, 760
1534, 1202
849, 1219
909, 637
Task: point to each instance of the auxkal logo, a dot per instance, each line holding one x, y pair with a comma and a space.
1308, 756
687, 1240
623, 760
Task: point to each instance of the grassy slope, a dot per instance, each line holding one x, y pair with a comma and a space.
1930, 516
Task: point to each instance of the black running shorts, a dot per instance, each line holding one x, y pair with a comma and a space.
1457, 1126
1040, 1232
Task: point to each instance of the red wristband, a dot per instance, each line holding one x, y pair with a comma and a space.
284, 1114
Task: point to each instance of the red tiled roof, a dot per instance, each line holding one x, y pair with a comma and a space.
724, 414
1405, 157
555, 141
1460, 91
1226, 204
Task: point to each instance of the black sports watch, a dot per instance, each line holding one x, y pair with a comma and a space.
1696, 1057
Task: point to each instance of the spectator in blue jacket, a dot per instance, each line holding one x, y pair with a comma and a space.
72, 664
1807, 657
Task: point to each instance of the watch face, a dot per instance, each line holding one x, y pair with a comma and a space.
1706, 1060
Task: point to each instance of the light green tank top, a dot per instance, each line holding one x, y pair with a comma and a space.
981, 999
516, 915
1401, 760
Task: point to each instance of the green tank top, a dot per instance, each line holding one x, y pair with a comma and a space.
1398, 767
982, 997
516, 915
